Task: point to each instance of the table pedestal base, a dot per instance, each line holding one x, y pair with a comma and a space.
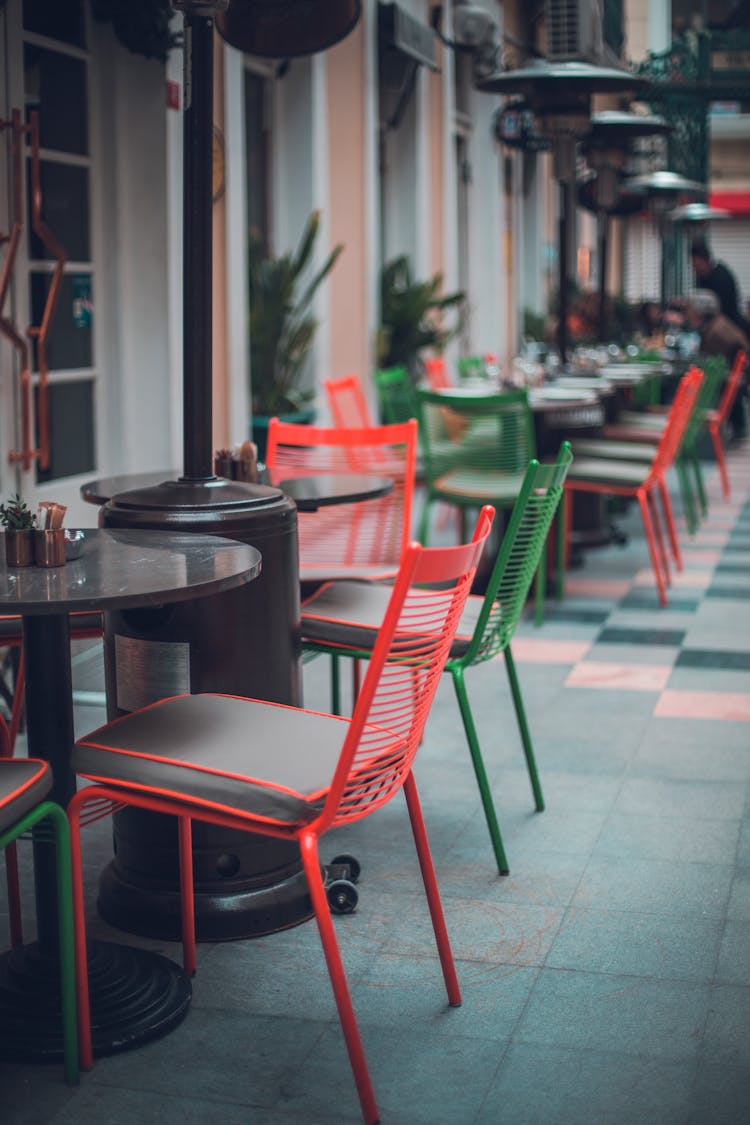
136, 996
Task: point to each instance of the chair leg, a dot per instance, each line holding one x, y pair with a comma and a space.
432, 891
311, 864
721, 460
700, 487
85, 1050
666, 504
187, 894
14, 896
59, 822
652, 548
335, 685
523, 726
457, 676
686, 493
659, 536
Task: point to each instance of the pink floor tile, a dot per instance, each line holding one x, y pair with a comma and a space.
703, 705
698, 556
686, 580
529, 650
710, 539
596, 587
628, 677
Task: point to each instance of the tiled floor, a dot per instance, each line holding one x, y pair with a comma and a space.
607, 979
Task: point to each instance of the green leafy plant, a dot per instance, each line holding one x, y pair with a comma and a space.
411, 316
282, 326
16, 515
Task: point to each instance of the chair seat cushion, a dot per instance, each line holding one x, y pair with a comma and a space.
616, 450
596, 470
240, 755
349, 615
24, 782
475, 486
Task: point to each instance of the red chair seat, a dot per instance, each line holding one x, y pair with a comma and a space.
24, 782
197, 747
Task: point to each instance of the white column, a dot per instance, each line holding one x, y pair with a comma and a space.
659, 24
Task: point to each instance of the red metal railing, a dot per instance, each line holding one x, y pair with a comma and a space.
28, 452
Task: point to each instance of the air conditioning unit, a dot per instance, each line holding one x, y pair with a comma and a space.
574, 30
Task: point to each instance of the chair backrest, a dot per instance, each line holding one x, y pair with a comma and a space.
714, 372
403, 672
679, 414
347, 402
437, 373
396, 398
732, 385
351, 537
518, 558
493, 432
472, 367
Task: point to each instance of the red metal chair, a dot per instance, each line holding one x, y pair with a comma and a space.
347, 402
364, 539
642, 481
289, 773
83, 625
437, 373
716, 419
24, 786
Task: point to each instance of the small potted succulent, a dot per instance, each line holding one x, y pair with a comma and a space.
19, 522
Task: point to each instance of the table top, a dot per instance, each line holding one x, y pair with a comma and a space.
126, 567
326, 489
102, 490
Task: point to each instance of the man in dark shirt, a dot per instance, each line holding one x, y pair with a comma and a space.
719, 336
720, 280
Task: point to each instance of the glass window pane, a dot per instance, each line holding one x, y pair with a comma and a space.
55, 84
71, 407
69, 344
58, 19
65, 210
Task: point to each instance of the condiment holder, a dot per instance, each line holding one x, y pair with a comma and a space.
49, 547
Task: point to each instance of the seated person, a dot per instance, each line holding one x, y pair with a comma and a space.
720, 336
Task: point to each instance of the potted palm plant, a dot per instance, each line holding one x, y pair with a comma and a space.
282, 329
411, 316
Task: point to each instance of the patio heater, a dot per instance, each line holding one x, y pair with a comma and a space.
663, 190
692, 220
559, 94
606, 148
245, 642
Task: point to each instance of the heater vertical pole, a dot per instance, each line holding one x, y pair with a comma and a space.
197, 245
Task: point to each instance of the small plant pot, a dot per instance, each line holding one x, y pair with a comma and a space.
49, 547
19, 547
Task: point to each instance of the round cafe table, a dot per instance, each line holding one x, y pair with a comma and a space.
328, 489
137, 995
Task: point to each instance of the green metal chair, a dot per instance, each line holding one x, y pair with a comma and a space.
395, 393
476, 446
24, 784
343, 618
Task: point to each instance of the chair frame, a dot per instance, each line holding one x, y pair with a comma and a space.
356, 788
7, 749
496, 624
347, 402
48, 822
653, 483
336, 533
717, 418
